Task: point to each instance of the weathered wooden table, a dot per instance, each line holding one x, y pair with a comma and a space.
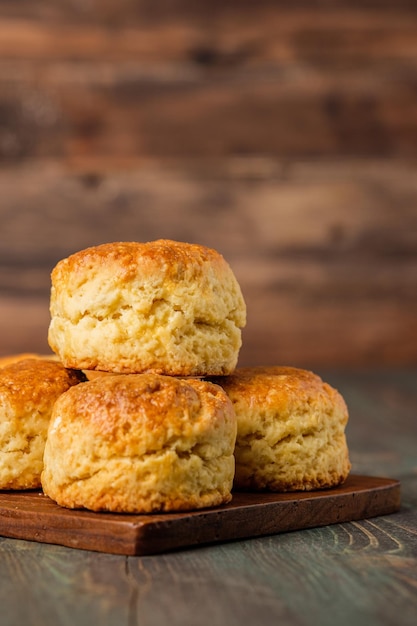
361, 572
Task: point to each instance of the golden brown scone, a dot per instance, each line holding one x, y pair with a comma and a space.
291, 429
28, 391
14, 358
138, 443
165, 307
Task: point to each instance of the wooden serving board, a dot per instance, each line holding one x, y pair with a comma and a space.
33, 516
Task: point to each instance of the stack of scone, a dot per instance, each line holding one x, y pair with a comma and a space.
164, 420
150, 435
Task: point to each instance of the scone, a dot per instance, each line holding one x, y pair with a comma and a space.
138, 443
162, 307
290, 430
28, 391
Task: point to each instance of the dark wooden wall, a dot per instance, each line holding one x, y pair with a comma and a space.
283, 134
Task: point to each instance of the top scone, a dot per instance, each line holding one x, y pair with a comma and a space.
164, 307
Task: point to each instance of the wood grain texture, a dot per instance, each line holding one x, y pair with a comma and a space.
315, 577
118, 111
143, 81
33, 516
283, 136
326, 266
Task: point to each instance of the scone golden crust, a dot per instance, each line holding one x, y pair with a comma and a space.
28, 391
138, 443
164, 307
291, 429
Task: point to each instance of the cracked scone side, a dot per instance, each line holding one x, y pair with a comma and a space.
141, 443
291, 429
165, 307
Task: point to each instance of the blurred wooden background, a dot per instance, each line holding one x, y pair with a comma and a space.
283, 134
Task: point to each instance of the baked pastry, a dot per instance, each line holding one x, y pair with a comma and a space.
28, 391
164, 307
290, 429
138, 443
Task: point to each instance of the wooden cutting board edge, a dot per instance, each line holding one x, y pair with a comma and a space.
33, 516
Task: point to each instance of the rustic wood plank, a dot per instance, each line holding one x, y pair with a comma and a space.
224, 36
310, 81
34, 580
325, 252
296, 578
129, 111
267, 217
35, 517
